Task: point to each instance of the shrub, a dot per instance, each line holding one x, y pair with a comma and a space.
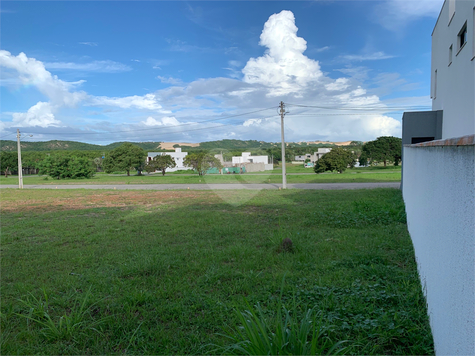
67, 167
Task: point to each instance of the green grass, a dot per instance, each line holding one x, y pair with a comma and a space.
138, 272
357, 175
299, 168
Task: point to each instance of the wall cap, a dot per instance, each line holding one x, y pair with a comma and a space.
468, 140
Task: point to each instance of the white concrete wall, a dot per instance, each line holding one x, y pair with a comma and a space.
453, 89
439, 193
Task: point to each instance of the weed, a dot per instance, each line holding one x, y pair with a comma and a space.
66, 327
282, 334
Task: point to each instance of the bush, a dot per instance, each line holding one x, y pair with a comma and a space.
67, 167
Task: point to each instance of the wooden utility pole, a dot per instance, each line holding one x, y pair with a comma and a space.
282, 113
20, 170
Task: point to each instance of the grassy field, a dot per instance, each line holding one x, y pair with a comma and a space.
361, 175
141, 272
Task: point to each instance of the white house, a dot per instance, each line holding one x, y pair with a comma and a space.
320, 152
247, 158
439, 182
453, 70
178, 156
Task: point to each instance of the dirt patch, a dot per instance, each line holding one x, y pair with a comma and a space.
104, 200
346, 143
169, 145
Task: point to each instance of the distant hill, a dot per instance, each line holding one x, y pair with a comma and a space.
57, 145
238, 145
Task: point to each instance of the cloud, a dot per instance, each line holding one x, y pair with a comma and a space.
375, 56
91, 44
322, 49
33, 73
395, 14
338, 106
158, 63
169, 80
147, 102
251, 122
40, 114
338, 85
164, 121
284, 67
95, 66
183, 46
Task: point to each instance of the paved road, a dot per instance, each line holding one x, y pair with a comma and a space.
315, 186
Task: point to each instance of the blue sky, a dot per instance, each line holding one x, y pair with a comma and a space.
181, 71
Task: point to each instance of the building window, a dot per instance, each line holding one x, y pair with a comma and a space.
434, 85
451, 50
462, 36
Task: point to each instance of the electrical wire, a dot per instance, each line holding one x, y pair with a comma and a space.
166, 127
358, 114
11, 133
366, 108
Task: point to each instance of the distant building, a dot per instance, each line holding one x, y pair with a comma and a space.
320, 152
178, 156
252, 163
247, 158
303, 158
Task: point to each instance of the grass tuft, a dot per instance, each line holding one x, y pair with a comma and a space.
65, 327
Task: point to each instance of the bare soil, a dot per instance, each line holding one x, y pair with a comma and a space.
101, 200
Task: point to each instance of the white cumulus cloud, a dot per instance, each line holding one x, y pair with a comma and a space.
40, 114
284, 68
32, 72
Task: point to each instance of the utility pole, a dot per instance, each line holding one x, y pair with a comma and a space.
20, 171
282, 113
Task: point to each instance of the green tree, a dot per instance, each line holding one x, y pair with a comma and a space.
65, 166
160, 163
383, 149
338, 159
124, 158
363, 159
201, 162
8, 162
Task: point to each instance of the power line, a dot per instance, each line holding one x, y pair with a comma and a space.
365, 108
166, 127
369, 114
11, 133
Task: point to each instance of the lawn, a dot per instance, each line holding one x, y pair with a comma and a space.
357, 175
139, 272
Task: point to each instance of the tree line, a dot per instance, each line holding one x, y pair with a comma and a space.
128, 157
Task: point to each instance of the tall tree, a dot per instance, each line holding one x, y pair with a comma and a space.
125, 158
201, 162
8, 162
338, 159
160, 163
383, 149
